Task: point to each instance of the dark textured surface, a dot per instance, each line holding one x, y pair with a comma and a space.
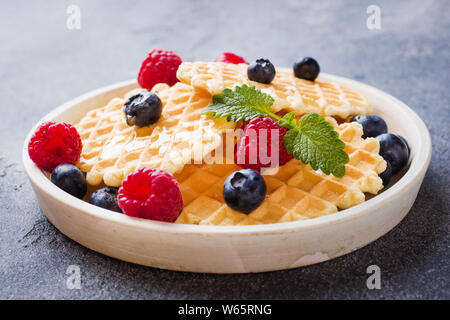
43, 64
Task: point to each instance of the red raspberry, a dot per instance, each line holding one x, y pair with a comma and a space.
160, 66
256, 142
54, 143
229, 57
151, 194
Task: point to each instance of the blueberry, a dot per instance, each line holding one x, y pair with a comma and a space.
142, 109
261, 70
306, 68
404, 140
106, 198
244, 190
372, 125
393, 150
70, 179
386, 175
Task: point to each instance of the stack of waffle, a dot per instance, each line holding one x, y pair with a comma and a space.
181, 139
290, 93
112, 149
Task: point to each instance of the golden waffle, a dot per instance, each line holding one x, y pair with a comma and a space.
112, 149
290, 93
295, 192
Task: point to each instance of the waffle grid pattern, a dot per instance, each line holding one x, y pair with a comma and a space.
290, 93
112, 149
295, 192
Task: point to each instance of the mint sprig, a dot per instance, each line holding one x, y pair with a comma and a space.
311, 140
242, 103
314, 141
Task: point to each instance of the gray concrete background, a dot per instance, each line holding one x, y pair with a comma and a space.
43, 64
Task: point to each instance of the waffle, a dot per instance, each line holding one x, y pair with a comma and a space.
295, 192
182, 135
290, 93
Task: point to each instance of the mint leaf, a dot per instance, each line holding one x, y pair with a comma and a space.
243, 103
288, 121
314, 141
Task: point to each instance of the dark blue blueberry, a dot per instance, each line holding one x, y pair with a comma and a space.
404, 140
142, 109
70, 179
393, 150
261, 70
244, 190
386, 175
306, 68
106, 198
372, 125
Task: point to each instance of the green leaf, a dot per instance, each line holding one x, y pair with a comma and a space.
288, 121
312, 140
315, 141
243, 102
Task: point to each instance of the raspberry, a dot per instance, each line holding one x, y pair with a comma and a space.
160, 66
229, 57
54, 143
255, 144
151, 194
